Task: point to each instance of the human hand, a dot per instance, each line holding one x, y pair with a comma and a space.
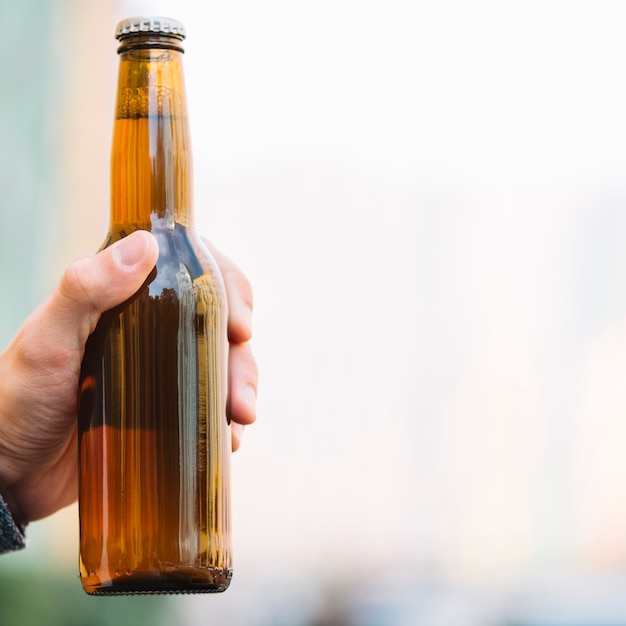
40, 368
242, 368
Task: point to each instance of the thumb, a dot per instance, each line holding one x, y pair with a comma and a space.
95, 284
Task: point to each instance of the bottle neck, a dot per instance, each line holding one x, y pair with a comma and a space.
151, 164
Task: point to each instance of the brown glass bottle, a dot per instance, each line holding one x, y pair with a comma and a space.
154, 441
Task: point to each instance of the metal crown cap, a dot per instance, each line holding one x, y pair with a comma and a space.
158, 25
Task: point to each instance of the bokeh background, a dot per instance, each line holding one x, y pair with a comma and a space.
429, 199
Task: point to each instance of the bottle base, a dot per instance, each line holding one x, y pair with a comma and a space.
161, 583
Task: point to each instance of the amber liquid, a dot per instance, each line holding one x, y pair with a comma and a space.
154, 441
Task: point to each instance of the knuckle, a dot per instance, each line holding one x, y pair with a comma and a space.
245, 362
75, 285
73, 281
245, 289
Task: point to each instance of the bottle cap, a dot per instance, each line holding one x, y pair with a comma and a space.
156, 25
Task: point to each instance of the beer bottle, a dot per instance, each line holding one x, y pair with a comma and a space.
154, 440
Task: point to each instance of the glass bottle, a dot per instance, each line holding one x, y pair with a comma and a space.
154, 440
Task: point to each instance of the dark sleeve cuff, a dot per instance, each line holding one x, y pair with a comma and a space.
11, 535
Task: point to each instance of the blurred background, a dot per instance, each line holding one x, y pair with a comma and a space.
429, 199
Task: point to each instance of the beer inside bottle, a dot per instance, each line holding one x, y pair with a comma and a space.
154, 440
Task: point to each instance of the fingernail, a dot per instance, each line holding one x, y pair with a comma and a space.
130, 250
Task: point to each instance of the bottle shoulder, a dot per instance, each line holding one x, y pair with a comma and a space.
181, 252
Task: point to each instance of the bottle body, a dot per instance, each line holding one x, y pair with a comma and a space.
154, 440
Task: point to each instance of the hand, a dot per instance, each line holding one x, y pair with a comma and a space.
40, 368
242, 369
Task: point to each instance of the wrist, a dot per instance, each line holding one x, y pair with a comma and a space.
9, 471
9, 483
13, 506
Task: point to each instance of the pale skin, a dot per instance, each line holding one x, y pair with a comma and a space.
40, 368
